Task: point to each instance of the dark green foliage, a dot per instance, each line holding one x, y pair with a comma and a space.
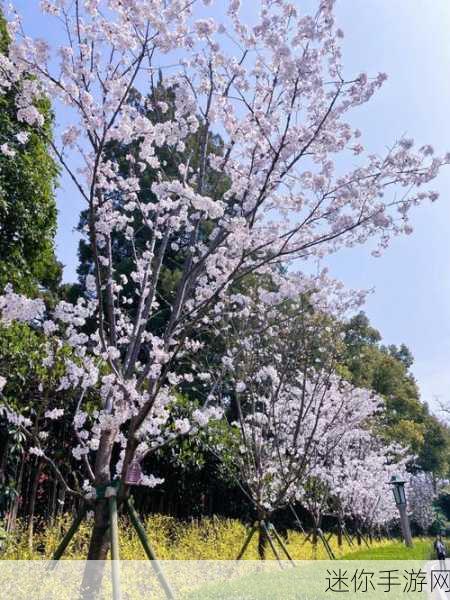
31, 381
27, 203
33, 387
385, 369
123, 251
27, 261
442, 503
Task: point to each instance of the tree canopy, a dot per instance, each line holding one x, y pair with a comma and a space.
386, 370
178, 220
27, 201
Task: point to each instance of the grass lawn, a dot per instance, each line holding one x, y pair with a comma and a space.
307, 581
422, 550
215, 579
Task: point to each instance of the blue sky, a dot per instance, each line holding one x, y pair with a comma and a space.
410, 41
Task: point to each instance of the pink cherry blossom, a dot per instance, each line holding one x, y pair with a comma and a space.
279, 100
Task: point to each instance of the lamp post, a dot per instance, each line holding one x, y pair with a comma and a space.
398, 487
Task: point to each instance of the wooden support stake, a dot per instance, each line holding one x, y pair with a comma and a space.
347, 535
69, 535
270, 540
297, 520
115, 557
280, 542
140, 530
363, 538
326, 544
247, 542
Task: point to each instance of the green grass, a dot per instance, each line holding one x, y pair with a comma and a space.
218, 539
422, 550
307, 581
288, 585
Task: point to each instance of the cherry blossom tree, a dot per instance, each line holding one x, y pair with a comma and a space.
359, 475
422, 491
276, 91
291, 411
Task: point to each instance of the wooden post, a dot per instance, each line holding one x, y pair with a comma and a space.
280, 542
347, 535
326, 544
148, 549
361, 537
115, 558
247, 541
69, 535
270, 540
297, 520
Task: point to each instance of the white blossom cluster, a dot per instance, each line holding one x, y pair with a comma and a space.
279, 99
422, 489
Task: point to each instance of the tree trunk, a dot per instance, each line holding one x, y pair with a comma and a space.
315, 541
14, 506
4, 443
32, 505
315, 538
52, 504
61, 501
262, 543
340, 534
99, 542
98, 552
100, 539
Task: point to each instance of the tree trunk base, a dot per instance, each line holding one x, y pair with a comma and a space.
98, 552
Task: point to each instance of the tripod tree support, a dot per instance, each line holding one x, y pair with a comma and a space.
114, 532
247, 541
347, 535
270, 540
140, 530
267, 529
326, 544
69, 535
109, 493
297, 520
271, 527
363, 538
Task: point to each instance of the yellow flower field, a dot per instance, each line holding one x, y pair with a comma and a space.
205, 539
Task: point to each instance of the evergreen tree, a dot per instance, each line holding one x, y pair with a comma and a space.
125, 155
386, 370
27, 202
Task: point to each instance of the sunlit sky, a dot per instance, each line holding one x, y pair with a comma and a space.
410, 41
